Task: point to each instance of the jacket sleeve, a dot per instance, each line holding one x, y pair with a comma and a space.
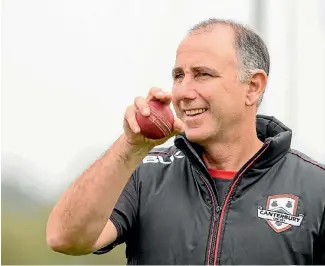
124, 214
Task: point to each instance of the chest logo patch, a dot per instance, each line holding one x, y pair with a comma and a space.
281, 212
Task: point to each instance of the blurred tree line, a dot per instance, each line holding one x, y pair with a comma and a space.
24, 218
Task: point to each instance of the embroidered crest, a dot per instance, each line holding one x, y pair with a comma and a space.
281, 212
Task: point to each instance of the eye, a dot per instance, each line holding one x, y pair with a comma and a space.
203, 74
178, 76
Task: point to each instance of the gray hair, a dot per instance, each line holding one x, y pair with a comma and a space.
251, 50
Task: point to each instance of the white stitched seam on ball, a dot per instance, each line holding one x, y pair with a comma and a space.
162, 119
162, 123
159, 125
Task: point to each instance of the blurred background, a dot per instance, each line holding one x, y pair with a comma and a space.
70, 68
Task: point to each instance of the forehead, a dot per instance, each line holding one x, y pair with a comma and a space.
213, 47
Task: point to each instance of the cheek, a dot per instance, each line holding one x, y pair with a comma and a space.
221, 103
176, 93
178, 113
229, 94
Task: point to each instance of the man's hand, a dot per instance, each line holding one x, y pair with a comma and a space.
131, 127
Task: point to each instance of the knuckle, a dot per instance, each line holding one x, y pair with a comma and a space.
129, 108
138, 101
129, 111
155, 90
133, 123
137, 98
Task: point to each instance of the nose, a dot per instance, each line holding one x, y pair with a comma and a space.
184, 90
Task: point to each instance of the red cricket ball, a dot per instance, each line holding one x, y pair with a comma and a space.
159, 124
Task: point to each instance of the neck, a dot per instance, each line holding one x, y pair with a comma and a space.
233, 153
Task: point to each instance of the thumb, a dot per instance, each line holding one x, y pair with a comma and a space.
179, 126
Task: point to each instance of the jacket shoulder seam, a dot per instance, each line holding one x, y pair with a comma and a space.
307, 160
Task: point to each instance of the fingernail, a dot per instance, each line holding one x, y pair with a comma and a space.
146, 111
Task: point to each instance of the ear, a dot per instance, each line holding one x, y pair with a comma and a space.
256, 87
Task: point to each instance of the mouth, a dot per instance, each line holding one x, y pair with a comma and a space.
195, 112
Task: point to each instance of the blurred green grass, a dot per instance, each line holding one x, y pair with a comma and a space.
23, 240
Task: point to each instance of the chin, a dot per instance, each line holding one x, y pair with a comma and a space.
197, 135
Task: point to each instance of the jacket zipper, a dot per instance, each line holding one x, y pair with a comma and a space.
215, 211
215, 235
215, 206
227, 199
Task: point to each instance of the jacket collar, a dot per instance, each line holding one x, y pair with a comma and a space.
269, 130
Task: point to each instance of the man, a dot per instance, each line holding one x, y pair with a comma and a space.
230, 191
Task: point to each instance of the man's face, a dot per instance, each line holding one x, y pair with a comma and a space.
207, 94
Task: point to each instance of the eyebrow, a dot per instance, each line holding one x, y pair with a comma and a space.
176, 70
196, 69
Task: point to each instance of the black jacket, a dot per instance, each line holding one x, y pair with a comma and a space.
273, 212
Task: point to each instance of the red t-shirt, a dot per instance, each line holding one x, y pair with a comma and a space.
221, 180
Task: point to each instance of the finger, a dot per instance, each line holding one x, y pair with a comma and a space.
141, 104
154, 91
179, 126
130, 110
131, 120
133, 124
159, 94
